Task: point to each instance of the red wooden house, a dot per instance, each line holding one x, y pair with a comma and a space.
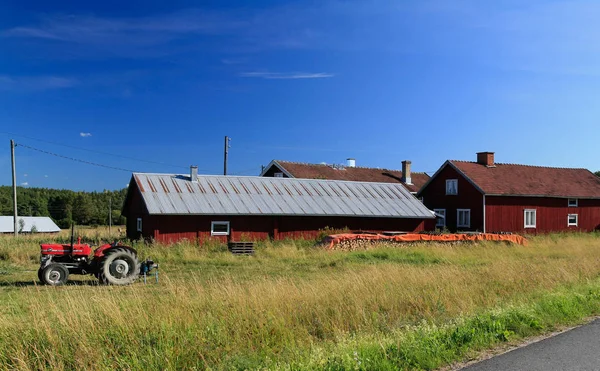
491, 197
413, 181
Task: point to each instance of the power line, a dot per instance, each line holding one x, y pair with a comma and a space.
77, 160
93, 151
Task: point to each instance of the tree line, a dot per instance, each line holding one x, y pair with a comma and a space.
65, 206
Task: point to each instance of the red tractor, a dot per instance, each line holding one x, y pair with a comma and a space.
112, 264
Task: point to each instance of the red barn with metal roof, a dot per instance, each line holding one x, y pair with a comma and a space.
494, 197
170, 207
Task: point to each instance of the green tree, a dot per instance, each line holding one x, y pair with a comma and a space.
64, 206
83, 209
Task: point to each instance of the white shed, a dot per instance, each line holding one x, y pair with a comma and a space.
39, 224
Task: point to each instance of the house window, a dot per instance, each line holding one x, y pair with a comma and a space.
139, 224
451, 186
219, 228
572, 220
530, 218
573, 202
463, 218
441, 220
278, 175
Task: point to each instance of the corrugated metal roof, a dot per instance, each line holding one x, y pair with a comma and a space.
244, 195
43, 224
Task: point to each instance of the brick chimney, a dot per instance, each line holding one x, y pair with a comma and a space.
406, 175
486, 159
194, 173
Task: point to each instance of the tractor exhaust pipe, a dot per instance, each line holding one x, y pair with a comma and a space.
72, 237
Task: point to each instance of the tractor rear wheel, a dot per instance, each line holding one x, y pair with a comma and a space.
119, 267
54, 274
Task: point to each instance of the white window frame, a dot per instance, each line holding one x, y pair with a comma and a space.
569, 224
576, 204
448, 187
278, 175
212, 228
525, 212
442, 220
139, 224
458, 225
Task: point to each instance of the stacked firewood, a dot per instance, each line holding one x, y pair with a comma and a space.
360, 244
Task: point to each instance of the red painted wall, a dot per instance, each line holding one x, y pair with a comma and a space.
135, 209
507, 214
468, 197
173, 228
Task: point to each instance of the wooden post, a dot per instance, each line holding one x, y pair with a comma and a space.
226, 154
14, 184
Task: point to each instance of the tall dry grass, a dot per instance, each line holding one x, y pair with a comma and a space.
288, 305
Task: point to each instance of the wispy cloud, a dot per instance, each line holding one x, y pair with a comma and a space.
149, 30
25, 184
89, 37
330, 24
287, 75
34, 83
85, 135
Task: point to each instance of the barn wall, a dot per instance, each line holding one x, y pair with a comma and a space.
136, 209
507, 214
468, 197
172, 228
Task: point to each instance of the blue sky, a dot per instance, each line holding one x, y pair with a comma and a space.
308, 81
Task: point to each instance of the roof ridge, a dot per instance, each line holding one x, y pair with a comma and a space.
525, 165
268, 178
354, 167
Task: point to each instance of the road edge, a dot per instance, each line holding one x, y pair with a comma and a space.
511, 346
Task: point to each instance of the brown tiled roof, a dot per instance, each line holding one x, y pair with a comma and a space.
358, 174
525, 180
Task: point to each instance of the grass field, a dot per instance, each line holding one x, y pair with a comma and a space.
292, 306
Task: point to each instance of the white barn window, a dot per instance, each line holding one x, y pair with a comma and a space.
530, 218
219, 228
572, 220
573, 202
139, 224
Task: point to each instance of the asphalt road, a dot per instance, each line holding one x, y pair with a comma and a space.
577, 349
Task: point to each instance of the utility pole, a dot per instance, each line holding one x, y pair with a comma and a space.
14, 183
227, 146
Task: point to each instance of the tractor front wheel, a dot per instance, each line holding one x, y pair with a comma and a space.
119, 267
54, 274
